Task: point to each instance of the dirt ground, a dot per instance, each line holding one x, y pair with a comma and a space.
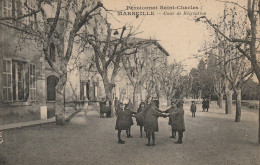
211, 138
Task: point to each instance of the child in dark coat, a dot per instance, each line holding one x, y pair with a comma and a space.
171, 111
121, 122
129, 120
140, 117
193, 108
151, 122
178, 121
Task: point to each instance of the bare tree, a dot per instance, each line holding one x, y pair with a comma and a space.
171, 80
109, 49
140, 65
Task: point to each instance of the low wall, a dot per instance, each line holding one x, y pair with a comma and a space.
17, 114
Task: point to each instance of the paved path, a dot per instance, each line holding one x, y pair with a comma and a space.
210, 138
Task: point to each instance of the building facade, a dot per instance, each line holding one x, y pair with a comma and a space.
27, 83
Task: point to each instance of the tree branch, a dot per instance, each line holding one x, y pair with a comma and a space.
216, 29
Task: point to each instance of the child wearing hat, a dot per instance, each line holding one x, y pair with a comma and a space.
193, 108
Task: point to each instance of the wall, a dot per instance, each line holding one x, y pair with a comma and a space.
22, 50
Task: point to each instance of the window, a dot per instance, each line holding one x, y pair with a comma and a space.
19, 81
7, 80
52, 82
132, 71
84, 90
51, 53
28, 20
6, 8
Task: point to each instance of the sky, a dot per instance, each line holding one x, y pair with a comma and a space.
180, 35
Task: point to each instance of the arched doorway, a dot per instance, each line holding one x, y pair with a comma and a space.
52, 81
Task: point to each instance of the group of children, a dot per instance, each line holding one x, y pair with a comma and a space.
147, 116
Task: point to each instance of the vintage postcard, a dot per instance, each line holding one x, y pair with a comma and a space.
129, 82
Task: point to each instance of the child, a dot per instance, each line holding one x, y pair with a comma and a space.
120, 122
129, 120
171, 111
140, 117
193, 108
178, 121
151, 122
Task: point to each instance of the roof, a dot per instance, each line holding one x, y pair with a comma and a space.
161, 48
155, 42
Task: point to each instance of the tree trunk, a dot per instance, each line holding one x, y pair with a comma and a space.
228, 107
60, 101
238, 105
168, 100
259, 113
220, 100
108, 89
136, 95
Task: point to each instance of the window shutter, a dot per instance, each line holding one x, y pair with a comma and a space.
32, 83
27, 81
7, 80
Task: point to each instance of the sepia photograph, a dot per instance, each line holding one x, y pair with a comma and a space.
129, 82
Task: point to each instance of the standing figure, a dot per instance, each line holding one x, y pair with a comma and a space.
129, 120
120, 122
203, 105
130, 104
102, 105
170, 111
193, 108
141, 111
151, 122
108, 108
117, 104
207, 104
178, 121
